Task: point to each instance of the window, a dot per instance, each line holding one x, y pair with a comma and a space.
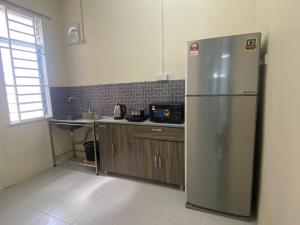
22, 59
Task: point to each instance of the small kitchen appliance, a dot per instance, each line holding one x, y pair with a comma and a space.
119, 111
137, 115
137, 112
167, 113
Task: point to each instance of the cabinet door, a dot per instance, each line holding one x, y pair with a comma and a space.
171, 162
145, 159
105, 147
121, 148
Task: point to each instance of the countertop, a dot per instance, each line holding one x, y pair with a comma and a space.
110, 119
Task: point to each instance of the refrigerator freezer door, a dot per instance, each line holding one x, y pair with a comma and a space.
224, 66
220, 149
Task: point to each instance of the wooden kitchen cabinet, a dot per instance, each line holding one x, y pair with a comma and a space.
154, 153
162, 161
116, 153
106, 146
171, 162
144, 160
167, 148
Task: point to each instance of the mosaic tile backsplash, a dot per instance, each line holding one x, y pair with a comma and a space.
102, 98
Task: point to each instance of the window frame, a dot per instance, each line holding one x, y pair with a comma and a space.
40, 53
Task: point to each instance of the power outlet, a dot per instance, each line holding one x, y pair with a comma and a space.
162, 77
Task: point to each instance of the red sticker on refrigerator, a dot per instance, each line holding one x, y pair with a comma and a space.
194, 48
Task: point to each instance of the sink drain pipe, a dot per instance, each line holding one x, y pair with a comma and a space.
80, 142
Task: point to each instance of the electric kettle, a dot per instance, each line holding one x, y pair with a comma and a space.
119, 111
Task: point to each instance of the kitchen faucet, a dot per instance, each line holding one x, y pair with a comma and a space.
88, 109
72, 97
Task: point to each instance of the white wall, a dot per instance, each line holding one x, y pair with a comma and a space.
25, 149
123, 41
197, 19
280, 183
124, 38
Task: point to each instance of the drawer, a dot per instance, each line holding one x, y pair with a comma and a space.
159, 133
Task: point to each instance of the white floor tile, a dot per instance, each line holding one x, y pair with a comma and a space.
176, 213
18, 214
254, 222
49, 196
71, 208
177, 220
176, 202
6, 200
91, 186
131, 217
150, 199
60, 196
100, 213
211, 219
46, 199
48, 220
117, 191
21, 191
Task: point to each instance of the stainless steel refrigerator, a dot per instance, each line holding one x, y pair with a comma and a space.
221, 108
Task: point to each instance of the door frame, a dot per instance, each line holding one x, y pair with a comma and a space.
4, 118
2, 172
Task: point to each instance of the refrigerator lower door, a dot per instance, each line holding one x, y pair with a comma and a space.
220, 152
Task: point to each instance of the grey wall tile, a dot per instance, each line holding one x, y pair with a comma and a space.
102, 98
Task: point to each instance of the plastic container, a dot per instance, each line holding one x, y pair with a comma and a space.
89, 150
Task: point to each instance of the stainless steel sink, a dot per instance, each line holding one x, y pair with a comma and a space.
90, 116
64, 125
69, 122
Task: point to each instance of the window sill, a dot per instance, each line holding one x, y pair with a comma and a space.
29, 121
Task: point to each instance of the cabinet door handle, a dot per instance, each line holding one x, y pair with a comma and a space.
155, 161
159, 162
101, 126
156, 129
113, 148
113, 152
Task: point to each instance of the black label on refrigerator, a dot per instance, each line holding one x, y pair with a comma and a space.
251, 44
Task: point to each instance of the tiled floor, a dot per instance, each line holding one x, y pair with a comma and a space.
61, 196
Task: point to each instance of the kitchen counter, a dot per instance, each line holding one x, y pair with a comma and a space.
129, 142
110, 119
78, 121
